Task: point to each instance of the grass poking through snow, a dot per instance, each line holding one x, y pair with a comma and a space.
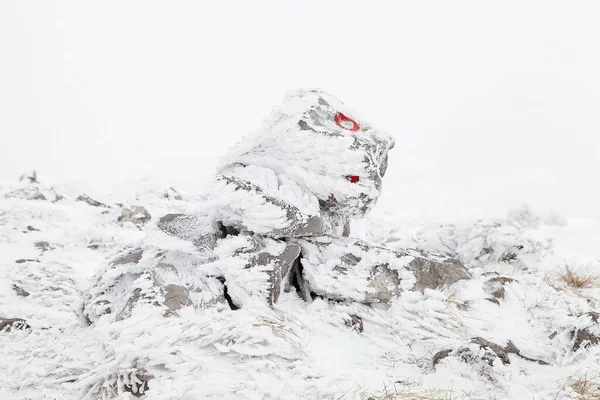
579, 281
587, 388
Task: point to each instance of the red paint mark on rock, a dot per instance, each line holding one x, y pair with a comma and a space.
346, 122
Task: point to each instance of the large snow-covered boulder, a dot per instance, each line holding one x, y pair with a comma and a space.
351, 269
310, 167
277, 216
151, 276
275, 222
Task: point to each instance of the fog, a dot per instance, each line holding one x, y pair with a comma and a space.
492, 104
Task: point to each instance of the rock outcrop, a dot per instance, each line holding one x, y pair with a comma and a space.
276, 219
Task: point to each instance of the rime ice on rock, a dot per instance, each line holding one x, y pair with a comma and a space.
276, 220
277, 214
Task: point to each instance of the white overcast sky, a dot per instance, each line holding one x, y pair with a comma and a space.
492, 103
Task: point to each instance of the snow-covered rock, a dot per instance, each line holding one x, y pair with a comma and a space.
135, 215
582, 333
351, 269
8, 324
87, 199
256, 290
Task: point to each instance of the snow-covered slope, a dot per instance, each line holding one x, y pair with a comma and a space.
452, 343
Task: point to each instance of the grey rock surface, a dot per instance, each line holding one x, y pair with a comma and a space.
164, 279
87, 199
10, 324
432, 274
353, 270
280, 265
482, 350
135, 214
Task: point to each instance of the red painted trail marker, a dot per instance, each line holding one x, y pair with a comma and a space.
346, 122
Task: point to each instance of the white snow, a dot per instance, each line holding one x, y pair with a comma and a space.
296, 349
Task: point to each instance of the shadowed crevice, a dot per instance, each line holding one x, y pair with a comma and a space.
226, 294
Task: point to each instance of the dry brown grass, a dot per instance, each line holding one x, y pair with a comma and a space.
408, 390
579, 281
427, 394
587, 388
573, 282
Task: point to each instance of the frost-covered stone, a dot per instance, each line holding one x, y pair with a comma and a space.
495, 287
582, 334
279, 265
35, 192
275, 218
20, 291
511, 240
137, 384
166, 279
355, 323
43, 246
10, 324
87, 199
436, 274
29, 193
49, 283
26, 260
351, 269
172, 194
194, 228
134, 214
302, 174
481, 351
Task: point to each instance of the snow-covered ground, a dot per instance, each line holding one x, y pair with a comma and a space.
519, 293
